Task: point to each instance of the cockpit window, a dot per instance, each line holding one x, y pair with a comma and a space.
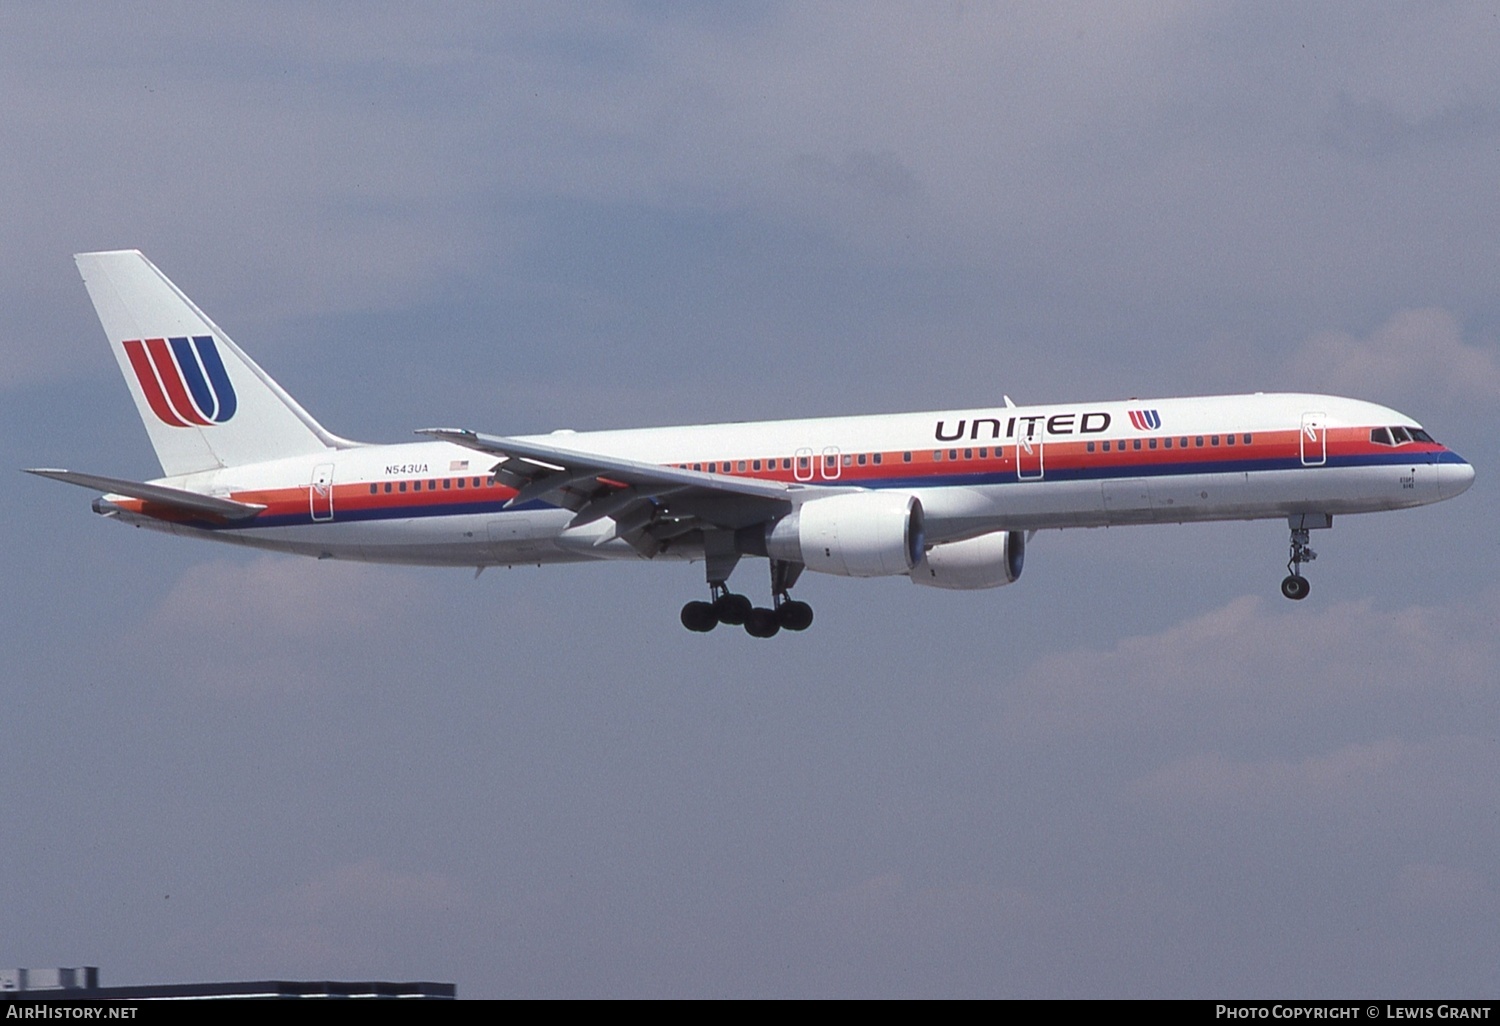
1399, 436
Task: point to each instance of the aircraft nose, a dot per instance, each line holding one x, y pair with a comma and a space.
1455, 477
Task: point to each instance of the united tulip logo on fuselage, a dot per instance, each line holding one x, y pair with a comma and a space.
184, 379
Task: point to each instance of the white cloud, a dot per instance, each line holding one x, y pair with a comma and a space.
1415, 352
1246, 666
1317, 782
274, 624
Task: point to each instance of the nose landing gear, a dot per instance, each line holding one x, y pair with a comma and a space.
1294, 586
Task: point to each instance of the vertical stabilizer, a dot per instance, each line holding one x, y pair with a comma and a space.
205, 403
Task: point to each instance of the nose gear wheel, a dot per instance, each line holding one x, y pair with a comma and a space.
1294, 586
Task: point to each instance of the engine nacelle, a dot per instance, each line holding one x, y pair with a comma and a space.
989, 561
867, 534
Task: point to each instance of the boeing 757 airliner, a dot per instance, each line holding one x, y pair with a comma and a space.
947, 499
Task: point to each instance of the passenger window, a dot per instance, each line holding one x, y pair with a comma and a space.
1167, 443
1136, 445
937, 455
1091, 447
388, 487
1247, 439
1199, 441
1183, 442
742, 466
861, 459
953, 454
756, 464
460, 482
373, 489
877, 458
1106, 447
906, 457
1229, 439
1214, 440
848, 460
1151, 443
401, 486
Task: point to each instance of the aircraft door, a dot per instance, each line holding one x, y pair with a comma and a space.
1030, 463
320, 492
803, 464
1314, 439
831, 468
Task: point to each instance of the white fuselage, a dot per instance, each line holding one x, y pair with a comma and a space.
974, 471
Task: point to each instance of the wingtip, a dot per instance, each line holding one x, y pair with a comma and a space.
108, 253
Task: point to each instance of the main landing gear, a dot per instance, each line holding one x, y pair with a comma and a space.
1294, 586
736, 610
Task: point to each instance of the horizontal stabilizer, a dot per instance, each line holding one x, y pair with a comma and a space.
181, 499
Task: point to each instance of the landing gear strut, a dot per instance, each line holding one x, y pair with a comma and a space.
1294, 586
726, 607
791, 614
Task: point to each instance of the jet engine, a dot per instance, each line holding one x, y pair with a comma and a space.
988, 561
866, 534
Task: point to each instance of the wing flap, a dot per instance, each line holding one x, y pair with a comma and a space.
656, 501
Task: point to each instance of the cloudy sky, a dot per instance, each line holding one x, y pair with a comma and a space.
1138, 772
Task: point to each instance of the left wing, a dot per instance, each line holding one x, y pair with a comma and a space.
649, 504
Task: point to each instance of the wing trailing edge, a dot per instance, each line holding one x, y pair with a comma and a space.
650, 504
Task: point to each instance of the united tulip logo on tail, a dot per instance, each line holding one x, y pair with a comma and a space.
184, 379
